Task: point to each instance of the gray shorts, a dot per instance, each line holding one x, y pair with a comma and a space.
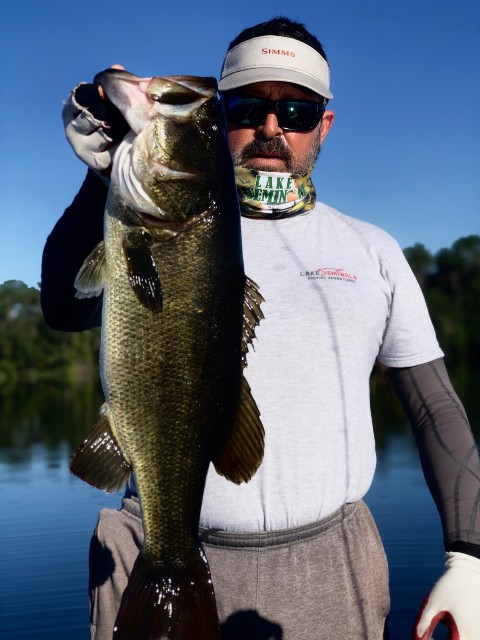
325, 581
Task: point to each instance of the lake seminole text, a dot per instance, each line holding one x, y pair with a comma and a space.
275, 190
329, 273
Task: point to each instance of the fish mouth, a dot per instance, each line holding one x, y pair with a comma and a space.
206, 86
130, 182
156, 108
175, 97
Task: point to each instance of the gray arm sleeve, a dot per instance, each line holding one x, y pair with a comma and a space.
448, 451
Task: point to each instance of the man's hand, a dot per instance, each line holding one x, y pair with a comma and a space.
454, 600
93, 126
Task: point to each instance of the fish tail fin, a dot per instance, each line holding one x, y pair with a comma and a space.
162, 604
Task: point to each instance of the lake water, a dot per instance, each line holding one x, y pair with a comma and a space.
48, 516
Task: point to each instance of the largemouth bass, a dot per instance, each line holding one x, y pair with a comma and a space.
178, 316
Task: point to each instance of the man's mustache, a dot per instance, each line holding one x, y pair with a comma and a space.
274, 147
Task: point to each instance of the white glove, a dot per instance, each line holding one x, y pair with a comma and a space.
454, 600
88, 136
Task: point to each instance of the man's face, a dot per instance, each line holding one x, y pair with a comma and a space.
267, 147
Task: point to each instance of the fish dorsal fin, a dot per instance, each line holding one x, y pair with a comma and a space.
252, 314
99, 459
90, 279
142, 270
243, 451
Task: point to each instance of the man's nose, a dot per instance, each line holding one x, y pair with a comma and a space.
270, 127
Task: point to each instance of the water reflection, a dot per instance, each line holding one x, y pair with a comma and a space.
49, 514
47, 414
52, 415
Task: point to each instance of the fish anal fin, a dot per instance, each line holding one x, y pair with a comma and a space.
242, 453
90, 279
252, 314
142, 270
99, 460
177, 604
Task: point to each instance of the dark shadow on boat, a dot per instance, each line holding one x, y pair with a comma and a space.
249, 624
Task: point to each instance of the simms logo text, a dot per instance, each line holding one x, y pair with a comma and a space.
279, 52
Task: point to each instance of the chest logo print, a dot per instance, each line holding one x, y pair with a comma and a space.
329, 273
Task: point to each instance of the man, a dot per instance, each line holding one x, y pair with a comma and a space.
295, 554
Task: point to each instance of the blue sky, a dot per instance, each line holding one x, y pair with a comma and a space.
404, 152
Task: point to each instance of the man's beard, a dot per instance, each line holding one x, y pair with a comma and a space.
280, 150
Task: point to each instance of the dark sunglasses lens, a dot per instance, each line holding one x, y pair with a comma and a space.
293, 115
297, 115
246, 111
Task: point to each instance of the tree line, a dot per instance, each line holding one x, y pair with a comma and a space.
450, 281
31, 352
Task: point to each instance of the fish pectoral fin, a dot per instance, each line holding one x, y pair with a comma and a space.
242, 453
99, 459
252, 314
142, 270
90, 279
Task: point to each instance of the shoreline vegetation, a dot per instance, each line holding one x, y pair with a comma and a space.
32, 354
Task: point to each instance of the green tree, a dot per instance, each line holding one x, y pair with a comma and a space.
450, 281
31, 352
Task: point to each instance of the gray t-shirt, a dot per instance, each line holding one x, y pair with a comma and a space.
339, 294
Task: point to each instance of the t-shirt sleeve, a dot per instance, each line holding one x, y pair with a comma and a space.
409, 337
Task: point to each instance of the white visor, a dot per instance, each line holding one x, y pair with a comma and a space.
275, 58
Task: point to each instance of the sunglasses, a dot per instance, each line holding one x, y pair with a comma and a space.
292, 115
